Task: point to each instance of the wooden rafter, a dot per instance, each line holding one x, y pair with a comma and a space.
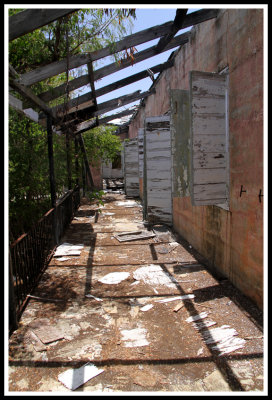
112, 68
91, 78
87, 125
102, 108
87, 100
135, 39
176, 26
79, 111
28, 94
29, 20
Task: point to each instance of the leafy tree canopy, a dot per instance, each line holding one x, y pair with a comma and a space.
83, 31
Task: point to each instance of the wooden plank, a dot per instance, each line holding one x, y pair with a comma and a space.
86, 162
107, 106
111, 68
87, 99
157, 170
180, 137
141, 152
131, 168
84, 126
209, 139
29, 20
135, 39
45, 72
29, 95
51, 162
91, 78
176, 26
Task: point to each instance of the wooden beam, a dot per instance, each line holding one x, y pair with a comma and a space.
177, 25
55, 68
18, 106
91, 77
87, 125
29, 95
51, 162
110, 105
86, 162
111, 68
87, 99
29, 20
135, 39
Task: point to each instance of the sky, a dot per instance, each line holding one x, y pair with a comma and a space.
145, 18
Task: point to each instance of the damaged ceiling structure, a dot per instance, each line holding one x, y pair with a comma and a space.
85, 112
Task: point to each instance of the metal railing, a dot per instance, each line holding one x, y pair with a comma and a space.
30, 254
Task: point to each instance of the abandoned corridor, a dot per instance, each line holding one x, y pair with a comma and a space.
127, 307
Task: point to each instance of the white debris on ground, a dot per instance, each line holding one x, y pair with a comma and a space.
73, 378
134, 337
185, 297
225, 338
154, 275
67, 249
114, 277
127, 203
197, 317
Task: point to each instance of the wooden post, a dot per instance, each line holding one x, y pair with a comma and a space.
13, 321
76, 161
51, 161
86, 162
52, 179
68, 160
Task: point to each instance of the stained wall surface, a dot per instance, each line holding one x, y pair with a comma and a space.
231, 240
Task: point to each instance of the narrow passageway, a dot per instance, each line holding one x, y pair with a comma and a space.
147, 313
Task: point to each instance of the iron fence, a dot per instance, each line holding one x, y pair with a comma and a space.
30, 254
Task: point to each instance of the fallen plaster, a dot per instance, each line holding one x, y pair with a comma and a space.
134, 337
67, 249
114, 278
73, 378
225, 339
154, 275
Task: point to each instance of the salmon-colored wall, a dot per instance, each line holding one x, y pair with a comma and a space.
232, 241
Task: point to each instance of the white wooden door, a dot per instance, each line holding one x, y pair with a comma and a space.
209, 138
157, 164
131, 168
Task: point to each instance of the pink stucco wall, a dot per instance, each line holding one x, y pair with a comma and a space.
232, 241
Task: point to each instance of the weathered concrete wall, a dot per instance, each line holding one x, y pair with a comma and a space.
232, 241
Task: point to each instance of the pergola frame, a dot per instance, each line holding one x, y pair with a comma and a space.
82, 113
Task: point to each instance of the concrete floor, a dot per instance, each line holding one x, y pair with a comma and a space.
104, 307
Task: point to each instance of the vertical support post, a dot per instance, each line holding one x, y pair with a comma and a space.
51, 161
76, 161
13, 322
87, 165
52, 177
68, 160
83, 171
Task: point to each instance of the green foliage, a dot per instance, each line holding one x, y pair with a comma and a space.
97, 196
102, 144
29, 190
